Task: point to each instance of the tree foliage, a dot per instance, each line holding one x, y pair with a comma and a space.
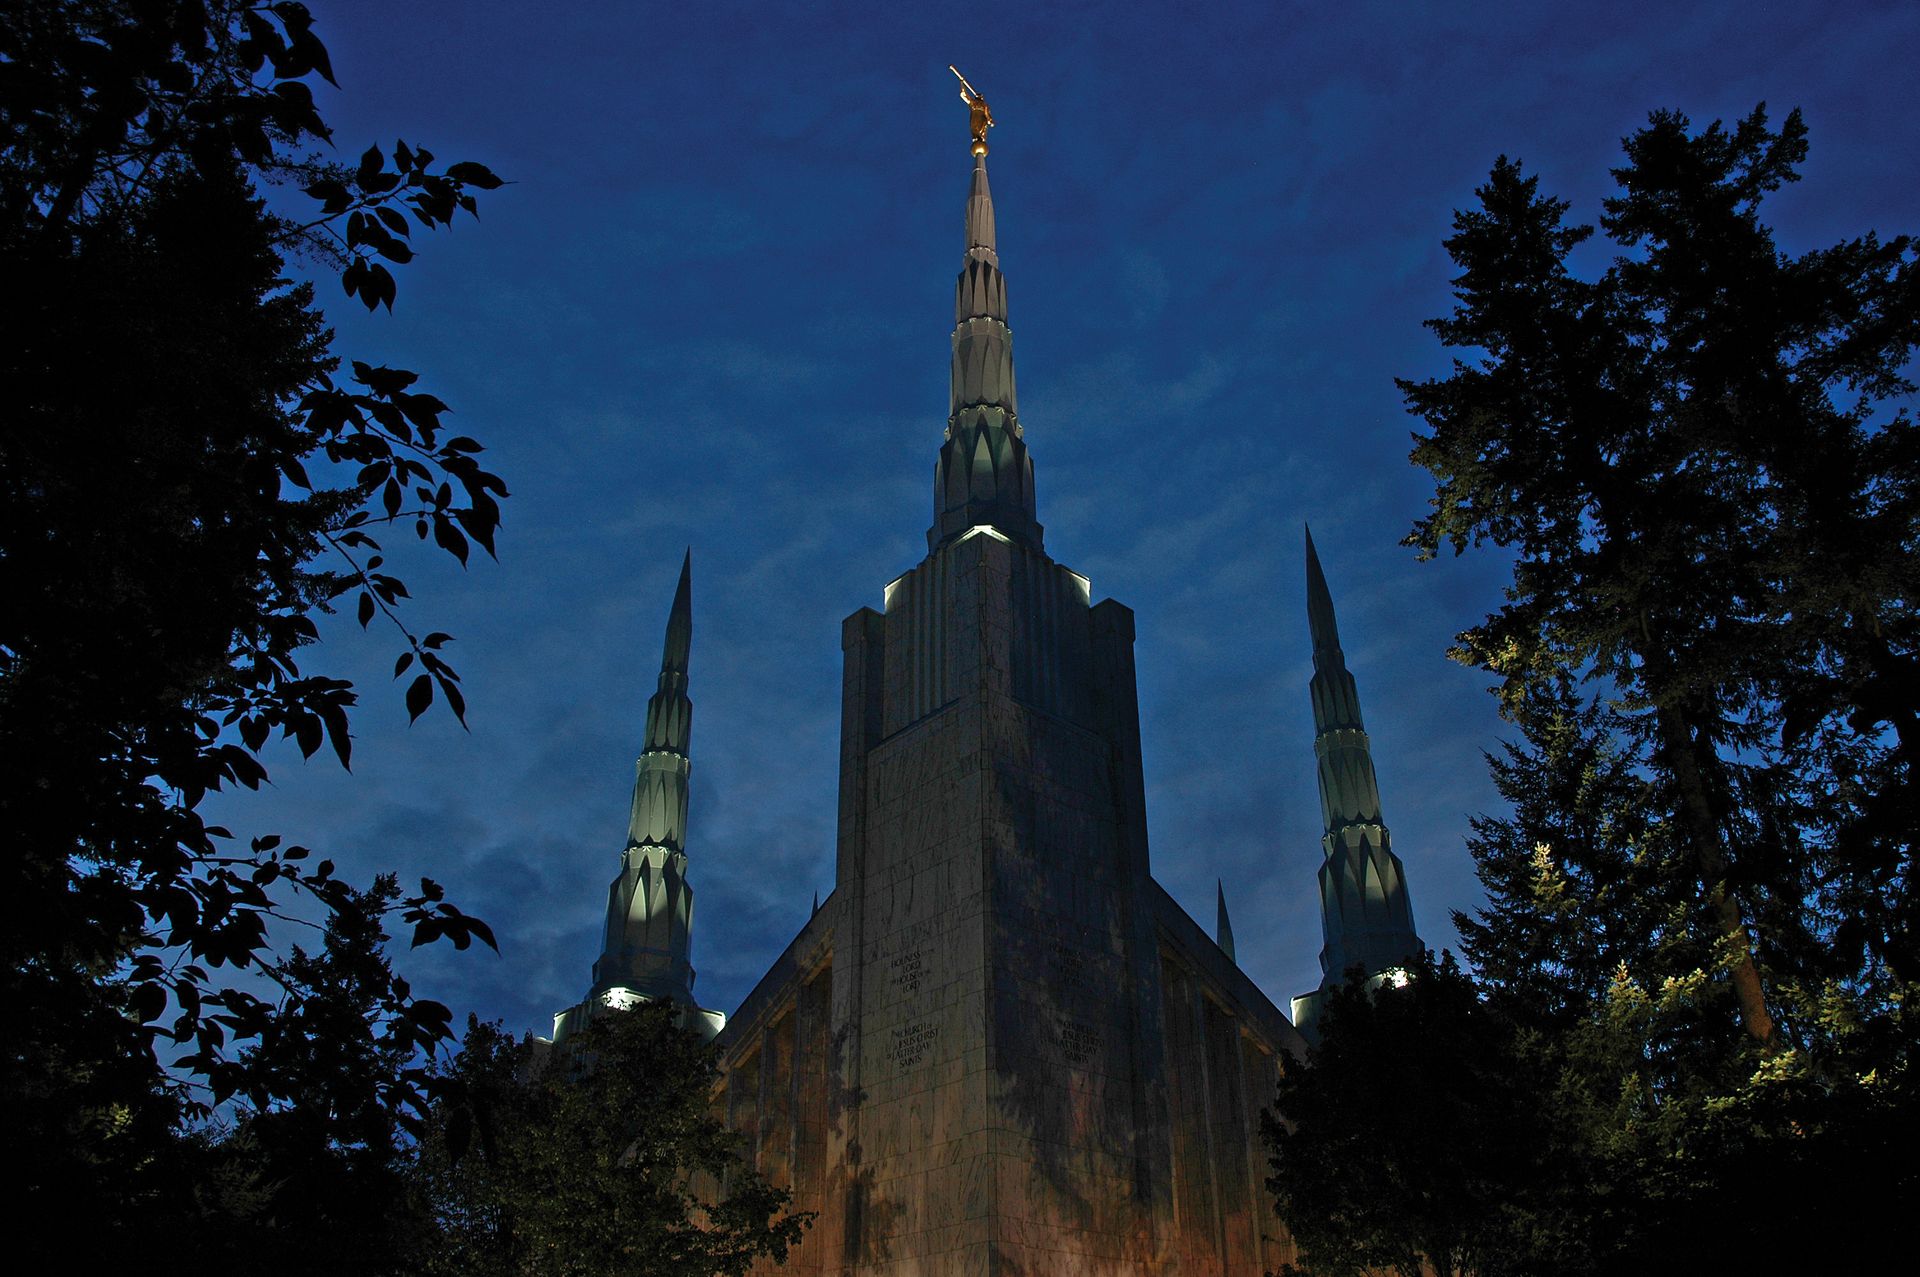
604, 1161
187, 479
1595, 942
1704, 464
1698, 950
1413, 1140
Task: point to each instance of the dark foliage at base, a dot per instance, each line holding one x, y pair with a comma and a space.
604, 1159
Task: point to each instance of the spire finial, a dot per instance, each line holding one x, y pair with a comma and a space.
979, 116
1320, 622
679, 645
1223, 927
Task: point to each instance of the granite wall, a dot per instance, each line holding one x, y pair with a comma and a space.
999, 1047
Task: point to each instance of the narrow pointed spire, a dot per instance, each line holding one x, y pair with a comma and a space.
1223, 926
1366, 918
984, 475
646, 948
1320, 622
980, 231
650, 904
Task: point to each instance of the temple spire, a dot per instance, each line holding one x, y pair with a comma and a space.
1366, 918
983, 475
646, 949
981, 243
1223, 926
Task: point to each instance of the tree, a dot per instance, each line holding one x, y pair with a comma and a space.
311, 1167
1595, 945
1700, 929
602, 1162
1414, 1139
1583, 875
1704, 469
185, 482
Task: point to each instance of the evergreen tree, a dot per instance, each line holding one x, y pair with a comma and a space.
1703, 466
1698, 942
1414, 1140
1595, 945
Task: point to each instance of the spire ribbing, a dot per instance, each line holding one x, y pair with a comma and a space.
983, 474
980, 235
1366, 918
650, 904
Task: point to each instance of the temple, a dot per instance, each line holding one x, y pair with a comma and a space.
999, 1046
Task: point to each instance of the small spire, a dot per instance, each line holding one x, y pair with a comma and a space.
816, 900
646, 951
679, 645
1320, 622
1223, 928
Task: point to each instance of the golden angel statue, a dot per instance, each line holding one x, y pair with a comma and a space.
979, 117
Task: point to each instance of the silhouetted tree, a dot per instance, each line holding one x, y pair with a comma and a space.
1703, 465
1698, 949
603, 1161
1595, 944
312, 1161
1414, 1140
184, 482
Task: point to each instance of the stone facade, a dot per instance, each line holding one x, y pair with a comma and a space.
999, 1047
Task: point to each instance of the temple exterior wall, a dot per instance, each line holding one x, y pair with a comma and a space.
999, 1047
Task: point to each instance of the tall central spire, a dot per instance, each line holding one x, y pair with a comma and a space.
984, 475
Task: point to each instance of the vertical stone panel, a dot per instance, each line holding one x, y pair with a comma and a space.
1227, 1119
1262, 1075
1197, 1222
743, 1107
813, 1020
776, 1101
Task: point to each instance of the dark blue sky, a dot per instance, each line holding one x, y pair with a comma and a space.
713, 311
